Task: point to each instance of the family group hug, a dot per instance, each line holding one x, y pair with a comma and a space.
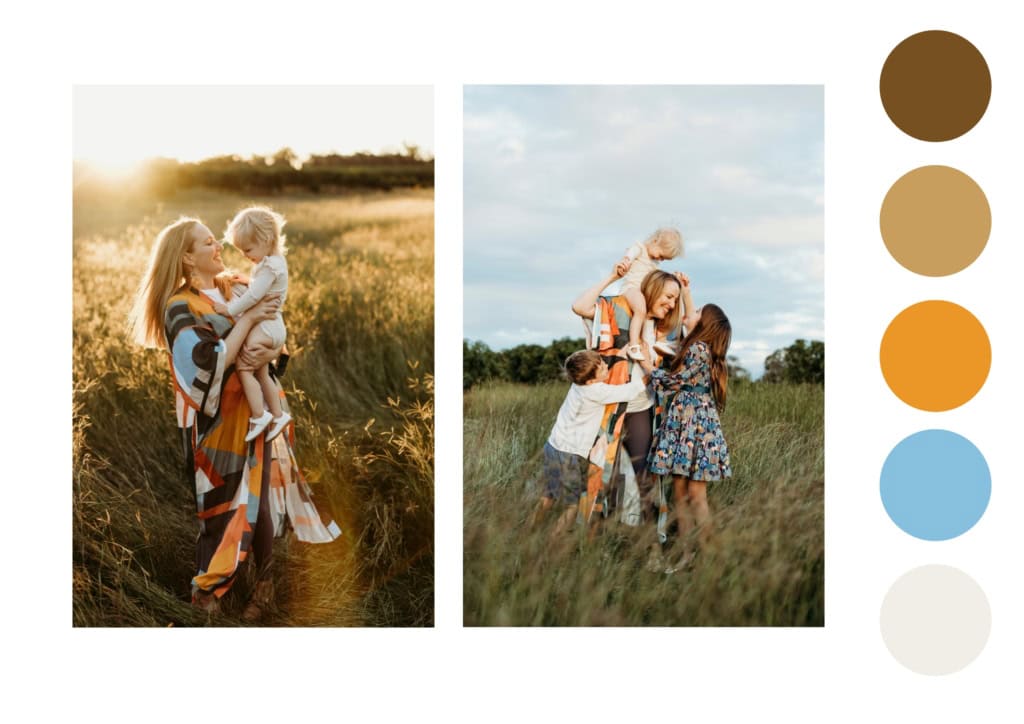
225, 338
639, 433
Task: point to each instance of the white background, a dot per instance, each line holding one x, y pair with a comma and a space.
838, 672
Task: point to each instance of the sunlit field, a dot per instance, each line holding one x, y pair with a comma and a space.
764, 562
360, 318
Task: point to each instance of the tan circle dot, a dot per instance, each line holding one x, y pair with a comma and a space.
935, 221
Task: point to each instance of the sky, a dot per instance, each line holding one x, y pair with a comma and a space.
115, 127
559, 180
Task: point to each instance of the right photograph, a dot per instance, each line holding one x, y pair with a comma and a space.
643, 356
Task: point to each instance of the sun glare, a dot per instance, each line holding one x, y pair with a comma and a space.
112, 168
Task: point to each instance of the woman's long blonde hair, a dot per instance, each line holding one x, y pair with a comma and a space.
167, 273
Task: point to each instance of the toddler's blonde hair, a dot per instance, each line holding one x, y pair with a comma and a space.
669, 240
261, 224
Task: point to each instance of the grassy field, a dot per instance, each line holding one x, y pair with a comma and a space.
764, 563
360, 318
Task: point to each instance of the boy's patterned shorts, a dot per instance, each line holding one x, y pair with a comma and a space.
565, 475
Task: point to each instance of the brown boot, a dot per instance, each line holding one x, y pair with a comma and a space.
261, 601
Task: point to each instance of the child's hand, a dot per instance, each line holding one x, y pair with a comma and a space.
645, 363
221, 309
621, 268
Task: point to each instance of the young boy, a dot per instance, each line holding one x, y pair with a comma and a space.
576, 428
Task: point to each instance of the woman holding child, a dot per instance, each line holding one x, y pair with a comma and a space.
239, 492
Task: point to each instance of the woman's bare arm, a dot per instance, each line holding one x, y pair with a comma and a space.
263, 310
585, 302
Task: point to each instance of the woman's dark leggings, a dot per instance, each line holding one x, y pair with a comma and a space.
637, 441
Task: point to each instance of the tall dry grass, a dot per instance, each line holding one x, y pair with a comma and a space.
360, 318
764, 563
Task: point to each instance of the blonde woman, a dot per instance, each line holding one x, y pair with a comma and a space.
174, 311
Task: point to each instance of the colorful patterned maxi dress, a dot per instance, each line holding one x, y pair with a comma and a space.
608, 333
229, 473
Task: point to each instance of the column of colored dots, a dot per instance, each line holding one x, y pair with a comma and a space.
935, 355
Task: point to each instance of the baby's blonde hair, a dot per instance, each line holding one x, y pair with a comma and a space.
669, 240
261, 224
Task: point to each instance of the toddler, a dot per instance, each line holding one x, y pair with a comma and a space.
641, 259
256, 232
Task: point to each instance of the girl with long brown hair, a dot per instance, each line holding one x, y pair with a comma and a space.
689, 444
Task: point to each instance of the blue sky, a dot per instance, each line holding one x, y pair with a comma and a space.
559, 180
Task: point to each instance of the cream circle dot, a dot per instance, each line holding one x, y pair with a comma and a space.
935, 620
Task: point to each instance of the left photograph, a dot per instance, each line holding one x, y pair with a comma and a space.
253, 354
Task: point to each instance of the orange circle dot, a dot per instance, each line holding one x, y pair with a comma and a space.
935, 355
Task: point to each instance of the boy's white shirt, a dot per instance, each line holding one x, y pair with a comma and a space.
579, 418
269, 276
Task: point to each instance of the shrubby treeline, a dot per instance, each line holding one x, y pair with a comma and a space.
801, 362
279, 173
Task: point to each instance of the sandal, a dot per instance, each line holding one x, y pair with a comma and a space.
261, 601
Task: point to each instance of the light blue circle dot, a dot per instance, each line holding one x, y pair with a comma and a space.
935, 485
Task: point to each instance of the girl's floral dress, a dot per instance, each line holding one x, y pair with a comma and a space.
689, 440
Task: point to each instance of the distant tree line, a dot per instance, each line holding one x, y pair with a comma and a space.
801, 362
284, 172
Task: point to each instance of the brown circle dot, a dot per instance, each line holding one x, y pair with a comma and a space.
935, 221
935, 86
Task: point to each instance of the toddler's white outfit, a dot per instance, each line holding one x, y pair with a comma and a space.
642, 265
269, 276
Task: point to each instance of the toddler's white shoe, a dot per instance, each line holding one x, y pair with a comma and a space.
635, 352
258, 425
280, 423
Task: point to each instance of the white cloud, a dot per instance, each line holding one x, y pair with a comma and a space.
511, 150
559, 180
783, 230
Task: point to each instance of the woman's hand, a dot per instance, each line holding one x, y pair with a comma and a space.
684, 281
587, 301
621, 267
253, 356
243, 355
